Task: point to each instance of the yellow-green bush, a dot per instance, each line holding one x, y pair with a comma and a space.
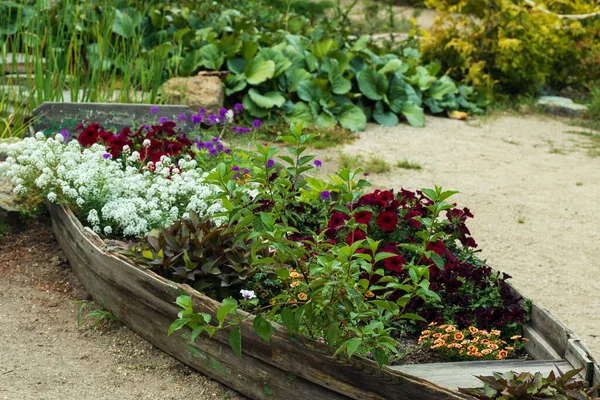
511, 47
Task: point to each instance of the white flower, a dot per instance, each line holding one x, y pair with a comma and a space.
51, 197
146, 142
126, 149
107, 230
247, 294
229, 116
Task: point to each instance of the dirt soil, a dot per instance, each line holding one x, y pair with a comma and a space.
43, 353
532, 188
531, 185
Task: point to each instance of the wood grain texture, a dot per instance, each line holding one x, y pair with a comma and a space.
537, 346
282, 369
579, 358
550, 328
464, 374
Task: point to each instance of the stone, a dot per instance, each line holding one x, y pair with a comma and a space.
9, 214
201, 91
561, 106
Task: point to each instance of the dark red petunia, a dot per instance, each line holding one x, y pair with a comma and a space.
410, 218
337, 219
354, 236
155, 157
394, 263
385, 196
173, 148
387, 221
106, 136
363, 217
88, 137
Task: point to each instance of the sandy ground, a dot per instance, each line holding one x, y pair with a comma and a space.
531, 185
534, 193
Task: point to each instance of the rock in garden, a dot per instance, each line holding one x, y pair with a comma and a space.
561, 106
201, 91
8, 213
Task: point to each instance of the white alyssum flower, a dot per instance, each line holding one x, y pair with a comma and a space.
113, 194
51, 197
146, 143
229, 116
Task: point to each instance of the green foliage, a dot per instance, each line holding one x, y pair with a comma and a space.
406, 164
97, 316
523, 386
199, 253
508, 47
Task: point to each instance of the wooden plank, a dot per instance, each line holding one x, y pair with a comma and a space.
550, 328
537, 346
359, 380
579, 358
52, 117
463, 374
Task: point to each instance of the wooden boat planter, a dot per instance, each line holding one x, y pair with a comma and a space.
286, 369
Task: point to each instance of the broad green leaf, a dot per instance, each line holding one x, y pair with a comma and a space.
412, 316
372, 84
253, 109
309, 91
325, 121
414, 114
237, 65
394, 65
123, 25
353, 345
235, 340
385, 118
441, 88
339, 84
177, 325
282, 63
257, 71
321, 48
234, 83
262, 327
249, 49
295, 76
300, 112
228, 306
212, 57
267, 100
353, 118
361, 43
289, 320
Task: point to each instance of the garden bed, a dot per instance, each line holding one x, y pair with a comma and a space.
145, 302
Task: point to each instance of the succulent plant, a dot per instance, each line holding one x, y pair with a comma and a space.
199, 253
513, 385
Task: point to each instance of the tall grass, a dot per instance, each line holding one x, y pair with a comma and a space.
91, 50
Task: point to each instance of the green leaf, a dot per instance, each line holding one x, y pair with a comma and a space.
339, 84
412, 316
123, 25
282, 63
320, 49
441, 88
177, 325
352, 117
228, 306
332, 334
212, 57
384, 118
257, 71
381, 358
235, 340
295, 76
353, 345
262, 327
309, 91
252, 108
289, 320
234, 83
267, 100
372, 84
300, 112
414, 114
237, 65
325, 121
249, 49
394, 65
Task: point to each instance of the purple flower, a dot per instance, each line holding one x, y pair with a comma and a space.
154, 109
227, 151
162, 120
213, 152
202, 111
238, 108
370, 355
212, 119
222, 111
199, 145
243, 130
196, 119
246, 171
270, 163
325, 195
208, 145
106, 156
220, 146
182, 117
235, 168
256, 124
317, 163
65, 134
215, 139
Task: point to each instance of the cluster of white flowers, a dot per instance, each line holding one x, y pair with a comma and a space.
114, 196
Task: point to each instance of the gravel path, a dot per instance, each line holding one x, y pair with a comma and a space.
534, 193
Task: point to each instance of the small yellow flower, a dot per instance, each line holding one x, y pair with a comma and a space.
495, 332
425, 332
484, 332
508, 348
486, 351
459, 336
294, 274
295, 283
437, 341
478, 354
524, 339
451, 328
516, 337
466, 341
472, 349
432, 324
437, 335
485, 342
302, 296
369, 294
473, 329
443, 326
272, 302
475, 339
247, 176
493, 346
502, 354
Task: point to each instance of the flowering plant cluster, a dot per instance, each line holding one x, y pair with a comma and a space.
470, 293
469, 344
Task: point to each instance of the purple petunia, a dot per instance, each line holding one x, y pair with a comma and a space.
212, 119
196, 119
238, 108
154, 109
270, 163
162, 120
246, 171
106, 156
199, 145
202, 111
227, 151
317, 163
256, 124
182, 117
235, 168
65, 134
222, 111
213, 152
325, 195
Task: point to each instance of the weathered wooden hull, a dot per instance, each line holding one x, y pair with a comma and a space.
281, 369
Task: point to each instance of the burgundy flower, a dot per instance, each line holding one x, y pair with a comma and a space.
337, 219
173, 148
363, 217
387, 221
106, 136
394, 263
357, 234
88, 137
410, 218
